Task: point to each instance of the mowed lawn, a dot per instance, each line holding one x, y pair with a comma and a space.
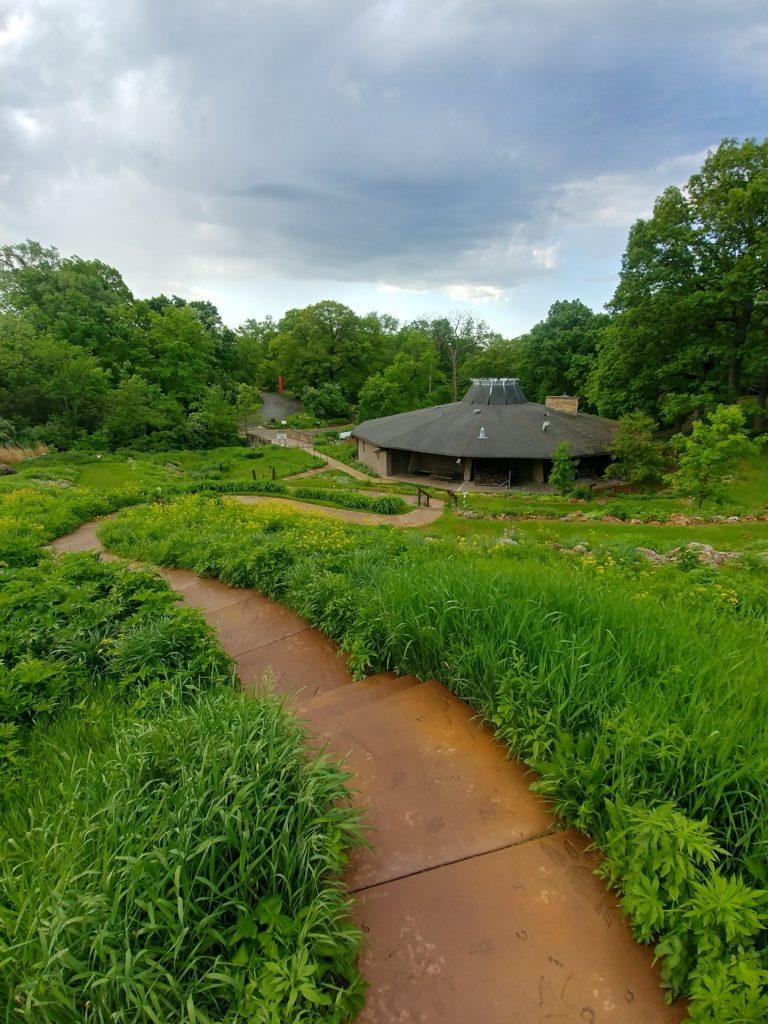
723, 536
748, 494
110, 471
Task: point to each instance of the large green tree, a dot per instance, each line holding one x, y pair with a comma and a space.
178, 354
253, 361
138, 414
690, 309
558, 354
456, 337
708, 457
499, 357
80, 302
327, 343
77, 352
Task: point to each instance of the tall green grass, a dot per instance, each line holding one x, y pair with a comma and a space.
183, 868
169, 851
627, 692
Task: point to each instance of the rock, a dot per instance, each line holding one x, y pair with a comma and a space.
651, 555
707, 554
50, 483
6, 470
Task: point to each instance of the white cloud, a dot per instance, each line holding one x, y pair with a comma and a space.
546, 258
28, 124
13, 30
618, 200
475, 293
457, 151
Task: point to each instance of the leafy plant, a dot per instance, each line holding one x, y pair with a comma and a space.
562, 474
635, 693
183, 868
637, 457
711, 452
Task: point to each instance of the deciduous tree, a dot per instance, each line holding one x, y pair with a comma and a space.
690, 316
558, 354
708, 457
561, 476
638, 458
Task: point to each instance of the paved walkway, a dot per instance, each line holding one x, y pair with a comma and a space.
416, 517
292, 442
336, 464
478, 907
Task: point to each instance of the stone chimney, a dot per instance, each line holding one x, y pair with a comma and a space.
563, 403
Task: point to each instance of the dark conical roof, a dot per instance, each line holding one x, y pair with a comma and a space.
494, 420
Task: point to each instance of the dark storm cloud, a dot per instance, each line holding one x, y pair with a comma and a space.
417, 143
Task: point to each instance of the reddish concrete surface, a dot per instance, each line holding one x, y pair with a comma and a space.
326, 707
83, 539
416, 517
526, 935
250, 621
303, 664
435, 784
476, 909
179, 579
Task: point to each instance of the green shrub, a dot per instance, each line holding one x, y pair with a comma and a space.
74, 627
182, 869
168, 849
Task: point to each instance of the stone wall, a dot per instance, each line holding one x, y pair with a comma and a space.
563, 403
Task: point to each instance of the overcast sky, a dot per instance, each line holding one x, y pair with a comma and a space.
408, 156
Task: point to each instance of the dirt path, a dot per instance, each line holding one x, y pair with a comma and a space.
416, 517
478, 907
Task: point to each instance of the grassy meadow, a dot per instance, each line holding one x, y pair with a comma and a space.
223, 465
169, 850
635, 691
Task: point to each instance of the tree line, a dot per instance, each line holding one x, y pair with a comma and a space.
687, 328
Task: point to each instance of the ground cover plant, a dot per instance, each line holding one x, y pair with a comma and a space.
637, 693
32, 515
223, 471
105, 471
741, 536
169, 850
179, 870
77, 629
328, 443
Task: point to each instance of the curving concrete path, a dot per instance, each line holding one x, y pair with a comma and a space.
476, 903
337, 464
416, 517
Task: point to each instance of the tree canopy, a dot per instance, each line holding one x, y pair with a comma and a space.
689, 314
709, 455
686, 329
558, 354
